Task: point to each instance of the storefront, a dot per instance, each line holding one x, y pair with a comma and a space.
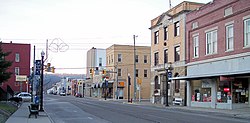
219, 92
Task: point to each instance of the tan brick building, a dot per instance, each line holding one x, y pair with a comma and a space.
122, 57
168, 51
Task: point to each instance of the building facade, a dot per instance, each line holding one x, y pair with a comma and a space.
20, 58
168, 52
218, 55
120, 66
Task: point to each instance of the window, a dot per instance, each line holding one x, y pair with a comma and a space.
211, 42
17, 58
145, 59
156, 37
136, 73
145, 73
109, 60
136, 58
119, 72
177, 86
196, 46
100, 61
201, 90
165, 33
166, 56
177, 53
16, 70
230, 37
119, 57
247, 32
177, 28
194, 25
17, 83
112, 59
228, 11
156, 57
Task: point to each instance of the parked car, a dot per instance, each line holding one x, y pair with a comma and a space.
178, 101
62, 94
78, 95
26, 97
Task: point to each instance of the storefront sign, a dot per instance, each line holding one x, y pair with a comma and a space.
21, 78
206, 83
226, 89
223, 78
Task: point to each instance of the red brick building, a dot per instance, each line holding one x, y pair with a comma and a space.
218, 55
20, 57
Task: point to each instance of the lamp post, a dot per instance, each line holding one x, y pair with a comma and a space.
167, 79
129, 87
41, 92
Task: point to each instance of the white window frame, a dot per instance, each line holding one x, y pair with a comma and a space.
145, 75
211, 42
145, 59
229, 37
17, 71
247, 33
17, 57
119, 72
196, 46
156, 37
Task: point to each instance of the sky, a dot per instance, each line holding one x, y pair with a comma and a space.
72, 27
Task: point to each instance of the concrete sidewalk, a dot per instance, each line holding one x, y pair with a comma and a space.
22, 116
243, 113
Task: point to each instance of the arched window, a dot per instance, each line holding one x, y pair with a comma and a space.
157, 84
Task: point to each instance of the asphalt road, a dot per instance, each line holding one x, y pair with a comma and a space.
68, 109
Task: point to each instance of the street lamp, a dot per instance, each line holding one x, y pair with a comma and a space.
41, 92
168, 74
129, 87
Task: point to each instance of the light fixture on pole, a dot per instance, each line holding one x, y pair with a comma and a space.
129, 83
41, 92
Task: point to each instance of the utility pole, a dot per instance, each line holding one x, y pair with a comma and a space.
134, 36
33, 79
129, 87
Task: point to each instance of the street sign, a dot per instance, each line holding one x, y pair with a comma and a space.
21, 78
38, 67
169, 74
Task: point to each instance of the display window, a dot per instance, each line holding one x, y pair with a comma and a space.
201, 91
240, 90
224, 94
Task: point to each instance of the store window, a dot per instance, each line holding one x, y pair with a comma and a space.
224, 92
240, 91
201, 90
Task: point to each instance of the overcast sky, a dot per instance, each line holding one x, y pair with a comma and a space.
80, 24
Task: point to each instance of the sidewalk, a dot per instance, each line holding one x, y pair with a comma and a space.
243, 113
22, 116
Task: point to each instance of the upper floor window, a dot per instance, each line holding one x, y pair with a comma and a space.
100, 61
165, 33
156, 58
17, 71
17, 57
166, 56
119, 72
145, 59
194, 25
229, 37
136, 73
247, 32
177, 28
136, 58
156, 37
228, 11
112, 59
196, 46
145, 73
211, 42
119, 57
177, 53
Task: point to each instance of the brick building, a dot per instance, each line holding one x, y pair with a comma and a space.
218, 55
20, 58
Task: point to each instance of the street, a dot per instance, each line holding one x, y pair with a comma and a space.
69, 109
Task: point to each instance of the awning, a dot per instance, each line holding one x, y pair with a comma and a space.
190, 77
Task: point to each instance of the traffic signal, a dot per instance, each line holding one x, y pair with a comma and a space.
104, 72
53, 69
91, 71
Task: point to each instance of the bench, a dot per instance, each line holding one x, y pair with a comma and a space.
33, 109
